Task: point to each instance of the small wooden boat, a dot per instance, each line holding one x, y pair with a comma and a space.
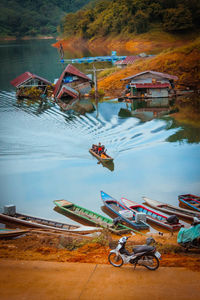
171, 209
125, 214
90, 217
190, 201
152, 216
104, 158
11, 233
36, 222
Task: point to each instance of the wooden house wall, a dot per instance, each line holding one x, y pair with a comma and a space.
148, 78
159, 92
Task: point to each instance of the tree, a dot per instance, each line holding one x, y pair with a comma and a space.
141, 22
177, 19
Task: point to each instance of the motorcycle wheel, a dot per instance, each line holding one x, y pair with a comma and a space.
152, 262
115, 260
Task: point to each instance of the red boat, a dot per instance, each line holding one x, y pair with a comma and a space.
170, 223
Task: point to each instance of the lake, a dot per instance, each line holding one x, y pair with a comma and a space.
44, 152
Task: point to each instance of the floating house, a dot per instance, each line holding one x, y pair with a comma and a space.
72, 83
27, 80
149, 84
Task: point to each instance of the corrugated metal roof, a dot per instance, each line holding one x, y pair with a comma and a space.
67, 90
128, 60
69, 70
150, 85
163, 75
23, 78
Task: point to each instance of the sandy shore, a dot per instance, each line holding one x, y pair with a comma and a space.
61, 281
54, 266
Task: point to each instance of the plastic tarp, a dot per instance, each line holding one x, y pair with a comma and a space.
186, 235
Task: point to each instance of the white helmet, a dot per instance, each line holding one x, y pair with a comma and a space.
123, 240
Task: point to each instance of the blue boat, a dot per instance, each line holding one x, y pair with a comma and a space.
118, 210
190, 201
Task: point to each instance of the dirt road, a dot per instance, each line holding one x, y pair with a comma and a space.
70, 281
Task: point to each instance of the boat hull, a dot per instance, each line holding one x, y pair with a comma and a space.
103, 160
90, 217
36, 222
151, 215
171, 209
116, 208
11, 233
190, 201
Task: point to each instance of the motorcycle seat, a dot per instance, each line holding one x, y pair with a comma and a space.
143, 249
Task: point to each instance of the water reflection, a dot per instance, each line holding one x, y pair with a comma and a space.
36, 107
162, 108
147, 110
109, 165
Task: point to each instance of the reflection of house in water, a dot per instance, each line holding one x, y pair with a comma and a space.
149, 84
146, 110
71, 82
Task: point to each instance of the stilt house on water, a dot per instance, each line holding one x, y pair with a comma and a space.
28, 80
150, 84
71, 84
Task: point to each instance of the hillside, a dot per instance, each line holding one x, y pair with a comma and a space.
114, 17
32, 18
182, 61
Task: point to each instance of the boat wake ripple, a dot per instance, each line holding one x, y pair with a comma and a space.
32, 130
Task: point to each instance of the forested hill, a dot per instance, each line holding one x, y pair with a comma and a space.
128, 16
34, 17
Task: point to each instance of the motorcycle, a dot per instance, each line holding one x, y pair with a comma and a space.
143, 255
190, 237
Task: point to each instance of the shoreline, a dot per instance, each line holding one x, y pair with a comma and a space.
40, 246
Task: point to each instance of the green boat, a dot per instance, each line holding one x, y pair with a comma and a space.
90, 217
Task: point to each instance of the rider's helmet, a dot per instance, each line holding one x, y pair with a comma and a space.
123, 240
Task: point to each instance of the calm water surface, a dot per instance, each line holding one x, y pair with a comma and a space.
44, 152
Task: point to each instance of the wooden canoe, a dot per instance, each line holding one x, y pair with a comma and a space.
90, 217
101, 159
36, 222
121, 211
171, 209
151, 215
11, 233
190, 201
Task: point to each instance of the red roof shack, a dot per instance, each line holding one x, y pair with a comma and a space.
29, 79
129, 60
75, 79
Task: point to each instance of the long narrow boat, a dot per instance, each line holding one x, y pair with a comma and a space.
190, 201
36, 222
11, 233
105, 158
90, 217
171, 209
152, 216
119, 210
